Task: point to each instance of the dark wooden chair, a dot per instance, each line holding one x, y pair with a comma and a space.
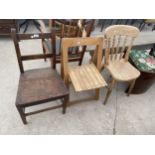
38, 86
67, 29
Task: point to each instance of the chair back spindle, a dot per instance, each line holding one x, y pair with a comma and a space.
119, 41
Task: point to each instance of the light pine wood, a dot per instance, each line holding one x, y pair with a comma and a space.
122, 70
50, 23
120, 39
85, 77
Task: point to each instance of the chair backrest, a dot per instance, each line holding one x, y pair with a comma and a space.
74, 42
72, 28
119, 41
64, 28
18, 37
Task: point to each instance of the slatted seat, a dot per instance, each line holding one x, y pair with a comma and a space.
122, 70
86, 77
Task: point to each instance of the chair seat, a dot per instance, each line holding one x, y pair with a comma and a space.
86, 77
122, 70
40, 85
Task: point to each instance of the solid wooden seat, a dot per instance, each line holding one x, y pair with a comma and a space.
86, 77
39, 85
122, 70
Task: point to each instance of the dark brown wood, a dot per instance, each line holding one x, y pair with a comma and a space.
43, 36
69, 28
36, 36
14, 37
38, 86
36, 56
6, 25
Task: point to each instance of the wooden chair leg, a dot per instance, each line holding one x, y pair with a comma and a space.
131, 87
44, 51
65, 101
97, 96
109, 91
22, 115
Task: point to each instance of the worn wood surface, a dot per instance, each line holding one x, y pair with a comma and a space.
38, 86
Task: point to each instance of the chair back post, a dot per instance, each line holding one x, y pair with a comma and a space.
119, 40
99, 51
18, 37
15, 40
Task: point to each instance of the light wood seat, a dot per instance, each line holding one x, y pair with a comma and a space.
119, 41
122, 70
86, 77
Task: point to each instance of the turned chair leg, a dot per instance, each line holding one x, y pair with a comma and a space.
131, 87
109, 90
22, 115
65, 101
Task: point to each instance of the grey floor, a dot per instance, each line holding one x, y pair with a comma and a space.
122, 114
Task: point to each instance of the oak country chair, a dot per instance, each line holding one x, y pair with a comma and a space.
67, 29
119, 40
86, 76
37, 86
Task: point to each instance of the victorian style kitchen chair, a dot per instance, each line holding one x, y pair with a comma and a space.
38, 86
67, 29
86, 76
148, 22
119, 40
